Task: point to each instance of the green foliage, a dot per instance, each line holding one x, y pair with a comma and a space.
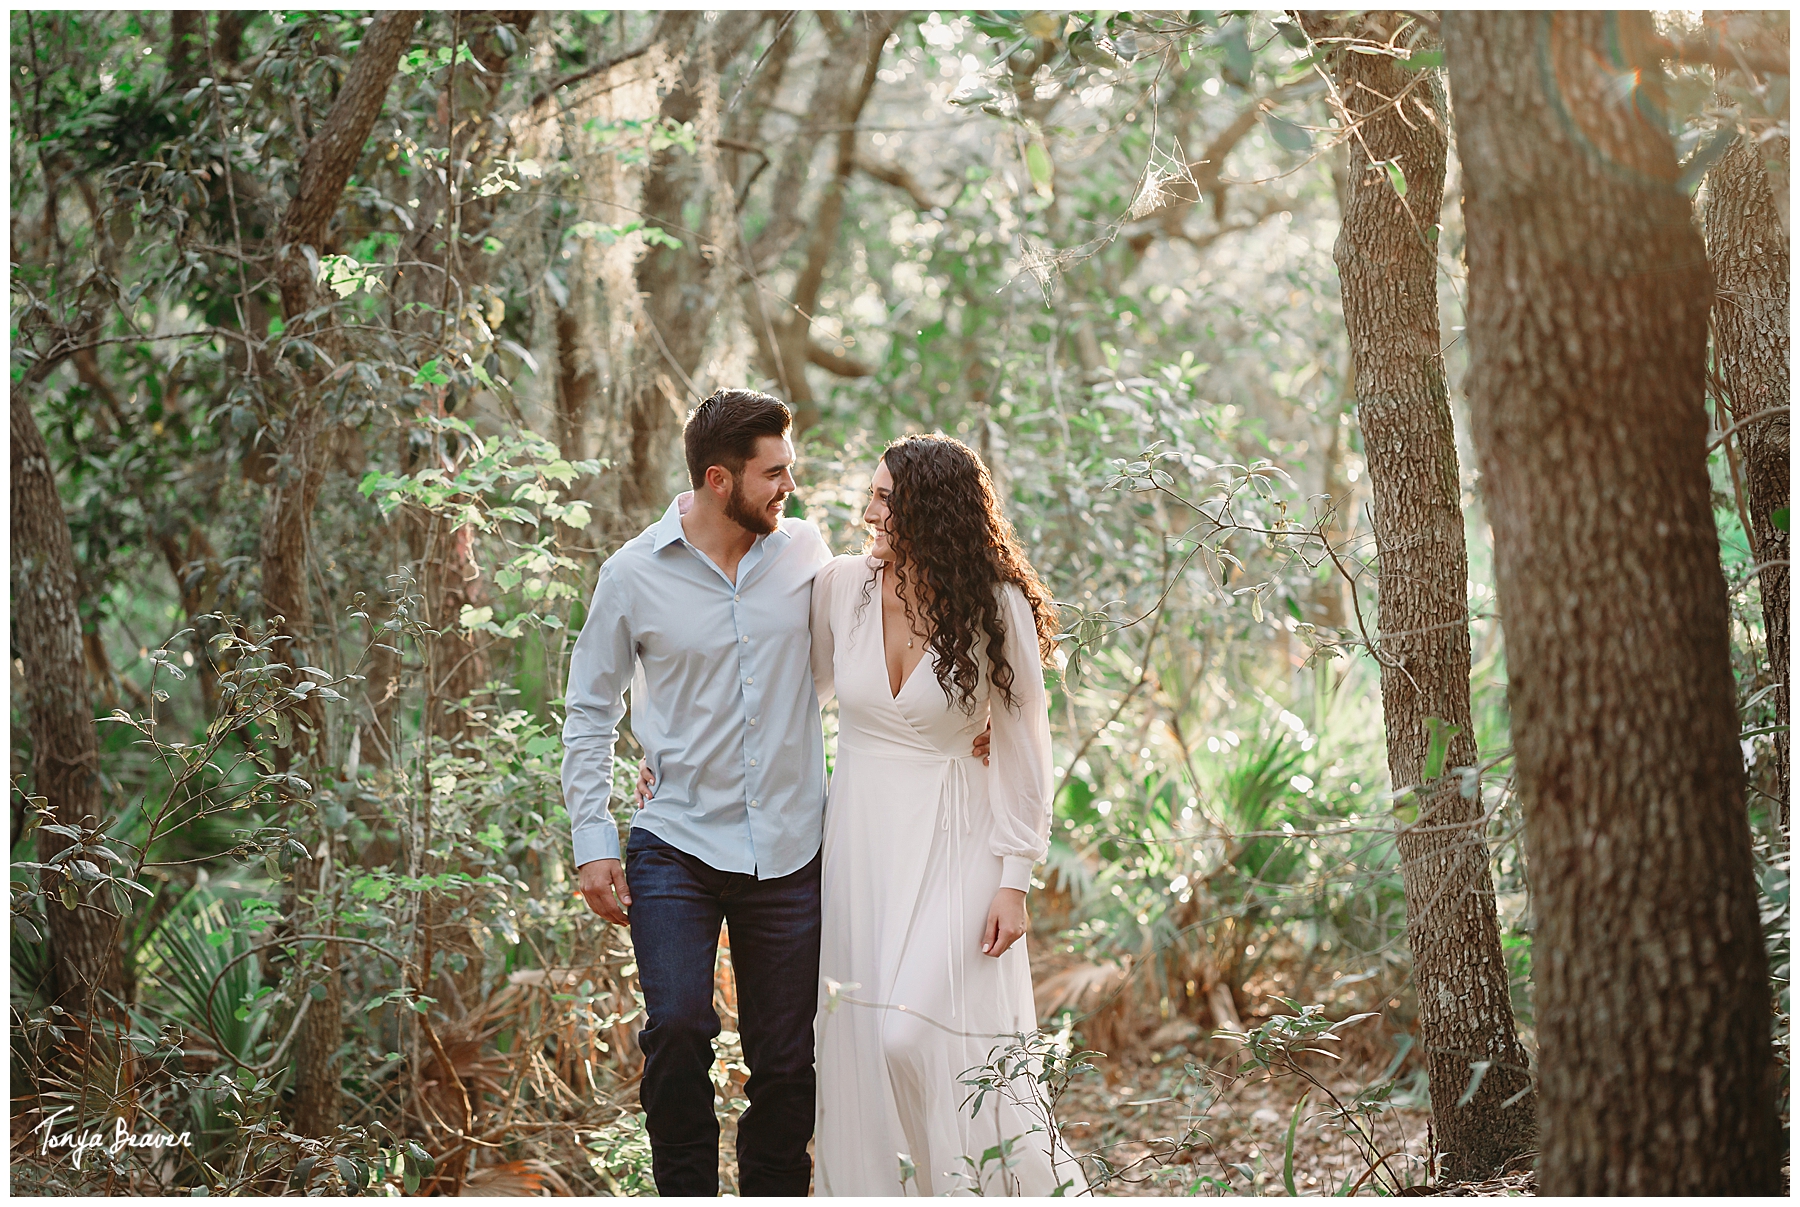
200, 958
1107, 267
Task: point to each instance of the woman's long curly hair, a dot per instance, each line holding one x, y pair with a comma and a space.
955, 549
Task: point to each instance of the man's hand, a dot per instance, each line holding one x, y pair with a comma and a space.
603, 886
982, 740
1005, 922
646, 784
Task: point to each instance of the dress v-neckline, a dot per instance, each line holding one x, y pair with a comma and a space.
881, 651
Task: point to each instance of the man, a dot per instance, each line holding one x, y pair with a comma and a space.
714, 605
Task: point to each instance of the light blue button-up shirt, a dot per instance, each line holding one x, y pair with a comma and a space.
723, 704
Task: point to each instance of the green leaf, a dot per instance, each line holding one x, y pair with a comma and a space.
1478, 1069
1286, 134
1396, 177
1287, 1160
1240, 65
1779, 518
276, 326
1037, 162
430, 374
425, 1161
1437, 745
1694, 170
474, 618
1421, 60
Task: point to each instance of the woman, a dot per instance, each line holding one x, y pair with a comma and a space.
928, 853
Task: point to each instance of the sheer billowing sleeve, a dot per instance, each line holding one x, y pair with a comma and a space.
824, 645
1020, 785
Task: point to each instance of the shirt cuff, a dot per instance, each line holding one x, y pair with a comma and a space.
597, 842
1015, 872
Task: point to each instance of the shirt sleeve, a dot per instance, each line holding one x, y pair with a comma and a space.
1020, 785
824, 643
599, 672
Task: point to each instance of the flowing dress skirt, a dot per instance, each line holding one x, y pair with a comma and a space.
917, 1007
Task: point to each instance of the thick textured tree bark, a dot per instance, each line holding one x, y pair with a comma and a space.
1387, 258
1588, 300
1747, 246
84, 941
287, 515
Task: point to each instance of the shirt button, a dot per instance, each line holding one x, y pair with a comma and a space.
751, 681
753, 762
752, 720
734, 599
746, 641
755, 803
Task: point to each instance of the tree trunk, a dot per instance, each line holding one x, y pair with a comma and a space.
330, 158
84, 941
680, 295
187, 48
317, 1107
287, 516
1588, 300
1387, 258
786, 341
1748, 249
577, 381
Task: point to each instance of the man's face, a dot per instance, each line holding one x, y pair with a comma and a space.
759, 495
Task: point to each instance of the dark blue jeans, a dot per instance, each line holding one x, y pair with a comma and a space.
677, 904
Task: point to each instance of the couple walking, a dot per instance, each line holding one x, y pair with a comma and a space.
881, 932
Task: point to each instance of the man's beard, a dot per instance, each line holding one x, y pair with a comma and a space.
738, 509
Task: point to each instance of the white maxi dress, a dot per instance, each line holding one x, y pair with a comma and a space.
919, 835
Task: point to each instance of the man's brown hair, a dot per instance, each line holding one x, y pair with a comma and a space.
724, 430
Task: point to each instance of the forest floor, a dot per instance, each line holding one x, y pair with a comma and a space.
1169, 1111
1171, 1134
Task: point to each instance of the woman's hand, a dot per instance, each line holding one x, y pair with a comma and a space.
646, 784
1006, 922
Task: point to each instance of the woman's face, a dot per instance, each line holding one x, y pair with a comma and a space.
876, 514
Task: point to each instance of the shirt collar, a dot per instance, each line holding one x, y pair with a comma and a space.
668, 530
